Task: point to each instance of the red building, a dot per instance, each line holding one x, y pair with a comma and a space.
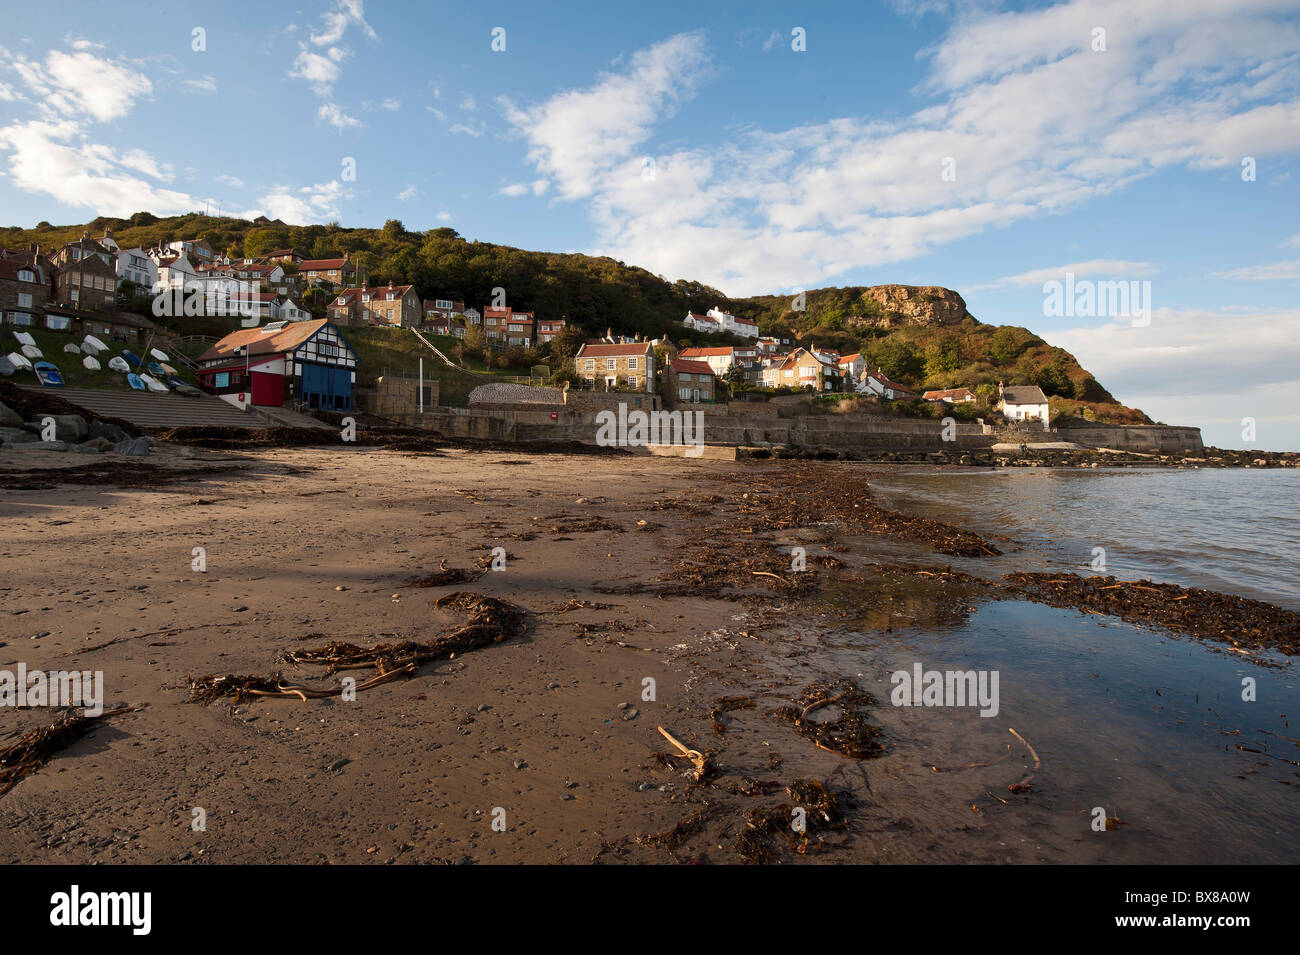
301, 363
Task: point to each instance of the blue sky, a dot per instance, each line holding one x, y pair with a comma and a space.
773, 168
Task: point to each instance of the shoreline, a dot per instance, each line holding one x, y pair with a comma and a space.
628, 568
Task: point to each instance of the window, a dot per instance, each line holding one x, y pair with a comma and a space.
631, 363
610, 364
683, 393
24, 300
21, 319
631, 381
221, 380
58, 323
76, 295
26, 275
591, 364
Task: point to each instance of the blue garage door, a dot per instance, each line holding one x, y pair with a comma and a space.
324, 386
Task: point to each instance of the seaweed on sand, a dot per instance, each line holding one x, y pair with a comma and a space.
489, 620
35, 748
849, 734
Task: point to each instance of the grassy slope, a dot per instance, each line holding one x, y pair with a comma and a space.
74, 373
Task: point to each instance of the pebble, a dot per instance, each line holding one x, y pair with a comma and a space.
520, 764
631, 714
340, 587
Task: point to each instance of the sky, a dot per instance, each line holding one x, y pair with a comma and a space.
760, 147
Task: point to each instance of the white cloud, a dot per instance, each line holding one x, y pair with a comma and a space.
1293, 242
231, 180
77, 84
1109, 268
515, 189
1181, 350
576, 135
321, 71
335, 22
308, 204
407, 194
332, 114
471, 129
773, 39
1264, 273
202, 84
54, 159
1185, 83
468, 104
444, 217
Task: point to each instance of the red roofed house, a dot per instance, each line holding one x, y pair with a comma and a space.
305, 363
719, 360
345, 308
335, 271
606, 367
852, 366
950, 395
548, 328
394, 305
509, 326
691, 381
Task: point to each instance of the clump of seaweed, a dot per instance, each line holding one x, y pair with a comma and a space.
849, 734
35, 748
490, 620
815, 811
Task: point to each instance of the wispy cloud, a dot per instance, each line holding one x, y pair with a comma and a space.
773, 208
334, 115
1270, 272
1109, 268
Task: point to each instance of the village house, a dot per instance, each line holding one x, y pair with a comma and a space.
876, 383
719, 360
1024, 403
304, 363
952, 396
442, 308
334, 271
345, 308
24, 288
394, 305
285, 256
85, 275
799, 369
606, 367
701, 323
175, 272
508, 326
691, 381
134, 265
472, 316
548, 328
196, 250
852, 366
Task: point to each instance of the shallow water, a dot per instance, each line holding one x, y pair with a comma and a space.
1231, 530
1146, 726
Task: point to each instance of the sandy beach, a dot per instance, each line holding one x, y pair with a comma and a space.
632, 572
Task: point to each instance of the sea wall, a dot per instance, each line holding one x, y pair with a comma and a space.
1164, 439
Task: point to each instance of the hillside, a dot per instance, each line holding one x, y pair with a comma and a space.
923, 336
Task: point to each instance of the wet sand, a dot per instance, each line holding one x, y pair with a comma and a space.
684, 582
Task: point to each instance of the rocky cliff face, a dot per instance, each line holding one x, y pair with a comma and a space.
901, 305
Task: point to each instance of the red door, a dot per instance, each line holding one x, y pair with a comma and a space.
268, 389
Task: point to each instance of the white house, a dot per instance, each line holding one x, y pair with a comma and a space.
1024, 403
875, 383
175, 272
701, 323
134, 265
730, 323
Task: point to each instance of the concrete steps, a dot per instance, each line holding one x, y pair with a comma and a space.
150, 410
